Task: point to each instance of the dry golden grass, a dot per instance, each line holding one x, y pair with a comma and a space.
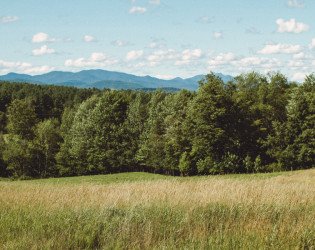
205, 212
281, 191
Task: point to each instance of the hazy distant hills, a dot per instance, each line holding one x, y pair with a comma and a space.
107, 79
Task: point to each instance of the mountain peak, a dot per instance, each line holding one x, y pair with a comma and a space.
107, 79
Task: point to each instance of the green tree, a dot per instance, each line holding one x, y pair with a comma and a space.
151, 149
107, 141
3, 166
258, 164
19, 157
205, 166
184, 165
134, 127
2, 121
78, 133
249, 164
47, 139
176, 142
21, 118
208, 121
301, 124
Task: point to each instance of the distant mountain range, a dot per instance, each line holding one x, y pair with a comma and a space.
107, 79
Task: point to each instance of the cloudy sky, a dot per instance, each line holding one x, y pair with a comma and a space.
161, 38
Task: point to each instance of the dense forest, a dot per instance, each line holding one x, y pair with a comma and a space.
254, 123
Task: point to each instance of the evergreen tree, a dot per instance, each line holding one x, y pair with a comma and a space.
208, 121
21, 118
3, 166
176, 142
134, 127
72, 158
105, 155
19, 156
151, 149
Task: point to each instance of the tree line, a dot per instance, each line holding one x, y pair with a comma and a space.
254, 123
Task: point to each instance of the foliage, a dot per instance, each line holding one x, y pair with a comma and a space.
3, 166
21, 118
254, 123
47, 139
184, 165
19, 156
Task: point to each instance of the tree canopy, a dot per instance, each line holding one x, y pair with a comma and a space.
254, 123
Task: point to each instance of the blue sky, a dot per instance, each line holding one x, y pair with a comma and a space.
160, 38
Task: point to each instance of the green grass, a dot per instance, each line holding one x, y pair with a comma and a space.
143, 176
250, 176
214, 227
146, 211
103, 179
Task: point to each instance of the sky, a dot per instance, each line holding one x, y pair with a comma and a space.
160, 38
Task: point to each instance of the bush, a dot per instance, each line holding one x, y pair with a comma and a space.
232, 163
204, 166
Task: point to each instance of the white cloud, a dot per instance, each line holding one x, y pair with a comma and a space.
154, 45
42, 37
159, 56
165, 77
291, 26
296, 4
133, 55
280, 49
143, 64
299, 77
255, 63
88, 38
220, 60
120, 43
23, 67
228, 60
97, 59
39, 70
189, 56
225, 57
206, 19
154, 2
13, 66
42, 51
295, 64
137, 10
9, 19
217, 35
302, 55
312, 44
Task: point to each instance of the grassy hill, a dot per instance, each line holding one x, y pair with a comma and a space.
141, 210
103, 179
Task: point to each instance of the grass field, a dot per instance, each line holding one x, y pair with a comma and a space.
146, 211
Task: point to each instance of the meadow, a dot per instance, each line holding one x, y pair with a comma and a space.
146, 211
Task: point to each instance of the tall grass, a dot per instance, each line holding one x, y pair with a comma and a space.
206, 212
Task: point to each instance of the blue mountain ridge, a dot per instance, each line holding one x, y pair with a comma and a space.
107, 79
